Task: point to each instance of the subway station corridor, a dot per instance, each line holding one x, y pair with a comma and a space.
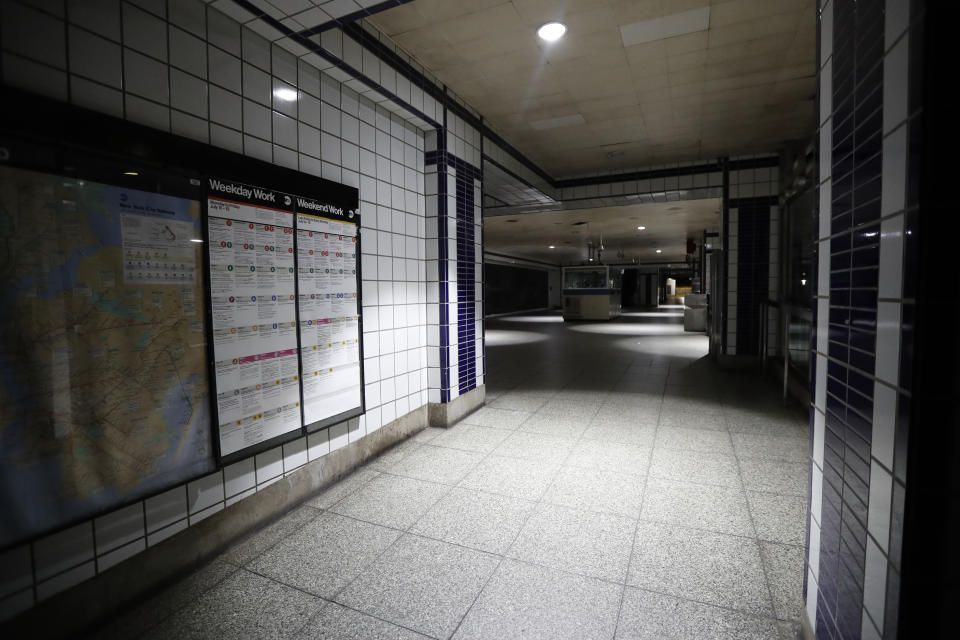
615, 484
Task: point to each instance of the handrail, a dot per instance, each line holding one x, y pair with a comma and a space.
788, 310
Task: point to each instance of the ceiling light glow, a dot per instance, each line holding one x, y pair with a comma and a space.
552, 31
640, 228
659, 251
552, 247
287, 95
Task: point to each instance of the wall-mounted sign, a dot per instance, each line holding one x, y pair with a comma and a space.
285, 312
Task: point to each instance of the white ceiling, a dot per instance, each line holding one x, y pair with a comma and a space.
668, 225
745, 84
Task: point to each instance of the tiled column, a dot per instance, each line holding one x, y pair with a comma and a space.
752, 237
454, 288
862, 368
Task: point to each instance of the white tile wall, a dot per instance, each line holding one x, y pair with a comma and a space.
823, 289
202, 73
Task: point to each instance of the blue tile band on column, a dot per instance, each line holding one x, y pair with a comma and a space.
465, 241
753, 268
466, 285
861, 401
857, 79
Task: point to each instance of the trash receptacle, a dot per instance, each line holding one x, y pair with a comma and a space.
695, 312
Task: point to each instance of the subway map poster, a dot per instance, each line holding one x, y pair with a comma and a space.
104, 395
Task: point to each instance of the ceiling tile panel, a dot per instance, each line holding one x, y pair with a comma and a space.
742, 84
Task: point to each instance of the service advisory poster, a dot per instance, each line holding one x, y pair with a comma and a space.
329, 311
253, 307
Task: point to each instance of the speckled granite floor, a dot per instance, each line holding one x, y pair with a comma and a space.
616, 485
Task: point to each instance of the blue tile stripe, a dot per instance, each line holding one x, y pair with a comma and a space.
856, 85
753, 268
465, 242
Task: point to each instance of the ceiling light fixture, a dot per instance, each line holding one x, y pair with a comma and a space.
552, 31
552, 247
640, 228
131, 173
287, 95
195, 240
659, 251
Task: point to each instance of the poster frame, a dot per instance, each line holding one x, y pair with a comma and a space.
41, 134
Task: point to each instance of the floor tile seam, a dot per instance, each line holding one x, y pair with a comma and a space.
596, 468
270, 546
172, 613
331, 601
409, 531
593, 511
782, 494
715, 605
417, 534
689, 450
473, 468
698, 482
395, 474
777, 460
349, 493
323, 601
493, 493
636, 528
503, 556
443, 446
700, 529
448, 487
753, 524
337, 593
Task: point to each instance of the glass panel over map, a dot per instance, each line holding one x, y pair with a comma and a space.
104, 394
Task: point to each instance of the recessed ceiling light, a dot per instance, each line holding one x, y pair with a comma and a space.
287, 95
552, 31
640, 228
552, 247
659, 251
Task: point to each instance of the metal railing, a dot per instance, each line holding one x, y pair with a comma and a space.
792, 341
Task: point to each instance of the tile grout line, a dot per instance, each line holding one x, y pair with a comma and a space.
509, 546
636, 529
753, 525
407, 531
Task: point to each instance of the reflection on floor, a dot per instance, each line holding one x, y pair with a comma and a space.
616, 485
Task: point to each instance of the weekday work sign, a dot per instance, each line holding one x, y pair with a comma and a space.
285, 313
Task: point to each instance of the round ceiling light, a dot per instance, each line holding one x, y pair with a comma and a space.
552, 31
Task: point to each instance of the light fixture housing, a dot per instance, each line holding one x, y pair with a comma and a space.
552, 31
